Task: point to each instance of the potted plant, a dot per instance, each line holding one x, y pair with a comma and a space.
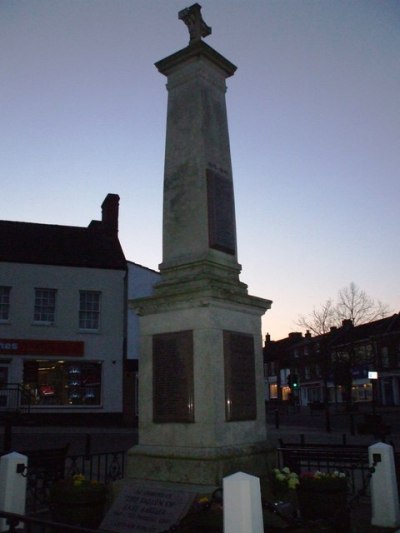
78, 501
323, 495
284, 483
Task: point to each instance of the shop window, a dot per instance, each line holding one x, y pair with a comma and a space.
273, 391
61, 383
361, 393
4, 303
89, 310
45, 306
286, 393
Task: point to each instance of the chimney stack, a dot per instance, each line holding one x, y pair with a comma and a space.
109, 213
347, 324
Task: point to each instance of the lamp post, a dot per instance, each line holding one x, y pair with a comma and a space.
373, 377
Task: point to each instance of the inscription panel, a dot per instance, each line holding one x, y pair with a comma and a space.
221, 213
240, 377
173, 383
142, 507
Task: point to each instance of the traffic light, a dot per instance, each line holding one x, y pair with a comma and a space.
293, 381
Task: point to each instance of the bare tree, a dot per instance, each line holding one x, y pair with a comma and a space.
352, 304
355, 304
320, 320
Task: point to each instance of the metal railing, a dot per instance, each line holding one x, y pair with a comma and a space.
15, 398
102, 467
36, 525
352, 460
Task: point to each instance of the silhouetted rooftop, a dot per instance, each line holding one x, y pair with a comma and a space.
47, 244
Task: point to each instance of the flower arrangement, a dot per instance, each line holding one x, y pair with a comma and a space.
286, 478
76, 488
323, 495
283, 483
318, 480
79, 501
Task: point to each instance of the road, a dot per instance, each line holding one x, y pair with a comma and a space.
290, 424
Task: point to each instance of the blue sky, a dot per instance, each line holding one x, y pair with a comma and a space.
314, 120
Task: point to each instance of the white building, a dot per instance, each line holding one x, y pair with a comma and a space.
63, 314
141, 281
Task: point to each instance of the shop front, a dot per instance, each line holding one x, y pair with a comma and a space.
62, 383
53, 373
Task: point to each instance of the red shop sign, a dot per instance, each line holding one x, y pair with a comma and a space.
40, 347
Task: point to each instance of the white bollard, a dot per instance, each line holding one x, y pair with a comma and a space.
12, 485
384, 491
242, 504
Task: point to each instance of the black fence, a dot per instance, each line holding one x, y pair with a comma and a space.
350, 459
14, 398
15, 523
46, 467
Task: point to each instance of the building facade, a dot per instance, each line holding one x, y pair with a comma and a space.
141, 281
63, 294
348, 364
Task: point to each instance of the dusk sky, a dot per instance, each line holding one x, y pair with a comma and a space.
314, 122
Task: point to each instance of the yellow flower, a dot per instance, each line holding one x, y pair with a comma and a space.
78, 479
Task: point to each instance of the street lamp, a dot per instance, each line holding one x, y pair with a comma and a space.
373, 377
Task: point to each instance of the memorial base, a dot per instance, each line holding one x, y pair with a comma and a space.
201, 467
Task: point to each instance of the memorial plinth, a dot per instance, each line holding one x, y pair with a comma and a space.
201, 400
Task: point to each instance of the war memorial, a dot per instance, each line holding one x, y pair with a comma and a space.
201, 414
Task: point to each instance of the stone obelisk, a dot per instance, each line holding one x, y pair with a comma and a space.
201, 401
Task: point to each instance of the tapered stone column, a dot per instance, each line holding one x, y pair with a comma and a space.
201, 403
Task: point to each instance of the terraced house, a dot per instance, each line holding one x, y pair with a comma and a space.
348, 364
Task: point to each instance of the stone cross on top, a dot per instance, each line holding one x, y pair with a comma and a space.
191, 16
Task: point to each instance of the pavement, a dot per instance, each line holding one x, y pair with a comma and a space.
110, 439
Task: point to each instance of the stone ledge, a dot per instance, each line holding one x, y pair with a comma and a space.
196, 466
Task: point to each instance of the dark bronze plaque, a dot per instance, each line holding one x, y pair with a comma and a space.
240, 377
221, 213
173, 396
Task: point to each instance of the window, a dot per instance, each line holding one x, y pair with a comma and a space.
273, 391
385, 357
4, 303
63, 383
270, 369
45, 306
89, 310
